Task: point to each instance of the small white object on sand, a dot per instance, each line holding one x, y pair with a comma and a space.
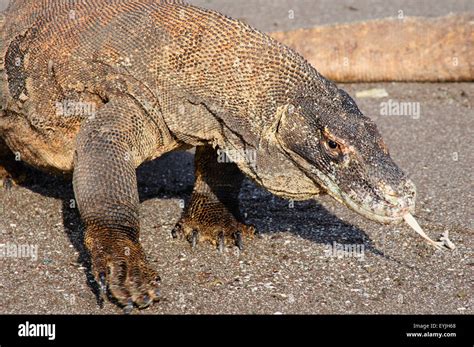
372, 93
444, 242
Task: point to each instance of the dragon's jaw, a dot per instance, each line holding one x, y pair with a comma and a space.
388, 209
387, 215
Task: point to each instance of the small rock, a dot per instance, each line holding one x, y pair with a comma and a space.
461, 294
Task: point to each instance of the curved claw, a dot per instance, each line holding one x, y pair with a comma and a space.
129, 308
176, 231
238, 240
8, 183
146, 301
194, 239
102, 285
221, 242
158, 293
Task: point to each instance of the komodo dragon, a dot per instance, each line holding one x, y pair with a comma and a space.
158, 76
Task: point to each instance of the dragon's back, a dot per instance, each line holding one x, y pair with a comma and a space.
78, 52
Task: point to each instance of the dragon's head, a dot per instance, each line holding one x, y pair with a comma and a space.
329, 145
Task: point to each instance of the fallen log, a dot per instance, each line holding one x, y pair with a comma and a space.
392, 49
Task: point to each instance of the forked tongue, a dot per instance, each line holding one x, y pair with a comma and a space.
444, 242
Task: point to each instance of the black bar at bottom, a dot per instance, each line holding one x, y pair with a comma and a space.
381, 330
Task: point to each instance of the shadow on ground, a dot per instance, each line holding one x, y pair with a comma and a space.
171, 177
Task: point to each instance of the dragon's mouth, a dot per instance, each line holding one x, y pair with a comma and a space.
389, 215
385, 214
390, 209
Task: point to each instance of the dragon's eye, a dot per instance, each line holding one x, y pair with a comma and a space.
332, 148
332, 144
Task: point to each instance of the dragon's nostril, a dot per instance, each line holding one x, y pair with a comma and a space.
388, 190
391, 193
409, 188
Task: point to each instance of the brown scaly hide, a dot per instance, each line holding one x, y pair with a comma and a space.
410, 49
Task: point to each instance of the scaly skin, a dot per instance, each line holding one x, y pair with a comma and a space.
213, 214
160, 76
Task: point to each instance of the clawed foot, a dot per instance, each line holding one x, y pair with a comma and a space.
8, 179
6, 182
122, 271
221, 235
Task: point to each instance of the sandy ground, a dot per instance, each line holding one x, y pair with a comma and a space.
286, 269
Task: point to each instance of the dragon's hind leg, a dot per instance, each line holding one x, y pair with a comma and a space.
213, 213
